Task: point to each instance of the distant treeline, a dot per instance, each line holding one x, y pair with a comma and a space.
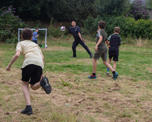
65, 10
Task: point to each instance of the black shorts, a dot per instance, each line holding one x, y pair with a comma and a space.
31, 73
114, 53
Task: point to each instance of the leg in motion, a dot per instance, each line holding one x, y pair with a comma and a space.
93, 76
26, 92
85, 47
115, 74
74, 45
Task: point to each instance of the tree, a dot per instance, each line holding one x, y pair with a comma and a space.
149, 4
112, 7
61, 10
139, 10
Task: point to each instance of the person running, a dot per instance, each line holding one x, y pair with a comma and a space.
75, 31
101, 51
32, 68
114, 42
35, 36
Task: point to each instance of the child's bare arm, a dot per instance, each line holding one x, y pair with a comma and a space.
99, 42
15, 57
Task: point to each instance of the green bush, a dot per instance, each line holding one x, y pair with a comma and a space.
56, 32
9, 24
129, 26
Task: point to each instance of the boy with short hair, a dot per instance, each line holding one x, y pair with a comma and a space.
32, 68
114, 41
35, 36
101, 51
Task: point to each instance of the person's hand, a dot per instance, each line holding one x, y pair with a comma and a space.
96, 48
8, 68
82, 39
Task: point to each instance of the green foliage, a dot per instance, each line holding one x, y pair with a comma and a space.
149, 4
138, 10
66, 10
55, 31
61, 10
9, 23
129, 26
112, 7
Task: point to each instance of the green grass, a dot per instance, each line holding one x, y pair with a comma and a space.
76, 98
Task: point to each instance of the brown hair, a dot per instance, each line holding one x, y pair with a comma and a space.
117, 29
27, 34
102, 24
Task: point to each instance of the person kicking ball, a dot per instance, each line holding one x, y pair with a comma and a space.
101, 51
32, 68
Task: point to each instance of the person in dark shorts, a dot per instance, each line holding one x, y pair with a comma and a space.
32, 68
75, 31
101, 51
114, 42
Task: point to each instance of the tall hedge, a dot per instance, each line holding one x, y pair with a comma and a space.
129, 26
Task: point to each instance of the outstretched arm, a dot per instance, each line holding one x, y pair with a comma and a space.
15, 57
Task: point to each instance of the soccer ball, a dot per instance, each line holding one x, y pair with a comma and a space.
62, 28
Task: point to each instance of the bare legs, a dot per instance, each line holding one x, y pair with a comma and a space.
94, 65
109, 66
105, 63
25, 88
114, 64
26, 92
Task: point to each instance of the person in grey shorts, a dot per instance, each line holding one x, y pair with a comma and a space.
101, 51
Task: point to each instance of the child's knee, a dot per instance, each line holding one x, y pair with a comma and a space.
94, 60
33, 88
25, 83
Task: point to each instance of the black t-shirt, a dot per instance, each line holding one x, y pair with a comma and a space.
74, 31
114, 40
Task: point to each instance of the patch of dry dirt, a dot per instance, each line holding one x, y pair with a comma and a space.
103, 99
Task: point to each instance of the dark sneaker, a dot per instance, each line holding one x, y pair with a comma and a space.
115, 76
92, 77
46, 85
27, 110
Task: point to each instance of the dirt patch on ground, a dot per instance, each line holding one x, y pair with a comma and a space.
103, 99
149, 69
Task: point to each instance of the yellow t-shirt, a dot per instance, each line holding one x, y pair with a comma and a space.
32, 53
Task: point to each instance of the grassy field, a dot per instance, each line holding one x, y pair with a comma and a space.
75, 98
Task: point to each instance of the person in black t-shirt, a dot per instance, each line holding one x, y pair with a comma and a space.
75, 31
114, 41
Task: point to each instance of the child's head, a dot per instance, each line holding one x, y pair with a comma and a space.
117, 30
27, 34
37, 30
101, 24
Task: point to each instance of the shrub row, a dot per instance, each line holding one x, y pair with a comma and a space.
9, 24
129, 26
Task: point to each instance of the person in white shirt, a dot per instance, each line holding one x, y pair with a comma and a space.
32, 68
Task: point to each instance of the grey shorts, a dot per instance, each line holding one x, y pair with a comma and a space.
101, 53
